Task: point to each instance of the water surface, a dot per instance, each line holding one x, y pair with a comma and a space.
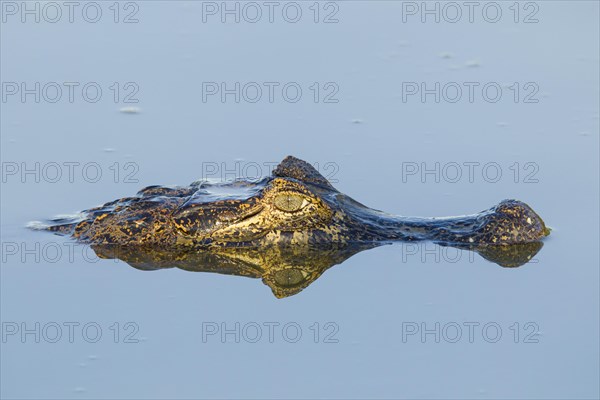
358, 320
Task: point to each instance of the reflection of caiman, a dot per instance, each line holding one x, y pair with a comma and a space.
287, 270
294, 206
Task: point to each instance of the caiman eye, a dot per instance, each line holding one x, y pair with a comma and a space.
290, 202
290, 277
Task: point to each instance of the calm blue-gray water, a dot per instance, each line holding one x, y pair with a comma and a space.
425, 109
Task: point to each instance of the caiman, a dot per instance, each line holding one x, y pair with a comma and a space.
287, 229
294, 206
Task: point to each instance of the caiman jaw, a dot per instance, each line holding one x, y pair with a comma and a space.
245, 229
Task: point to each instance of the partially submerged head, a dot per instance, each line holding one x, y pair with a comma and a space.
296, 205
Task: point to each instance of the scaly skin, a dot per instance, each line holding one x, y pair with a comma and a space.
294, 206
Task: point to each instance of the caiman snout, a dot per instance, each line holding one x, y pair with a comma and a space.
510, 222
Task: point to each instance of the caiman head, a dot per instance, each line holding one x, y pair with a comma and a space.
296, 205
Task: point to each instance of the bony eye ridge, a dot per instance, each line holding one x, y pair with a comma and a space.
290, 202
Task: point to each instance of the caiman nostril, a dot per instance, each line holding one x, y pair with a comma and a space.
511, 222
